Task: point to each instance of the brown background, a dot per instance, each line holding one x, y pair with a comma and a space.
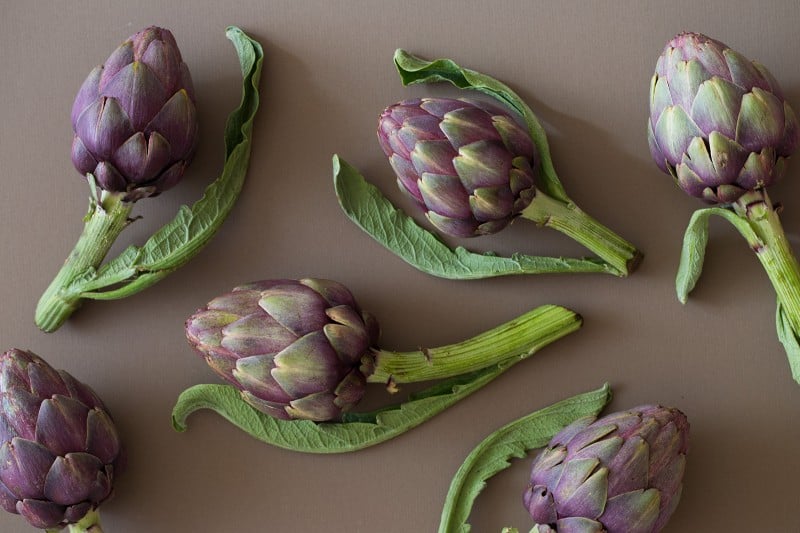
584, 67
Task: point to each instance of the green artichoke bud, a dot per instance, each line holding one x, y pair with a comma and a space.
304, 349
719, 123
59, 448
621, 473
467, 162
294, 348
134, 117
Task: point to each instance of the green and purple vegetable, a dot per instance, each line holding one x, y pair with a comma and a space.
474, 167
469, 164
59, 448
294, 348
513, 440
622, 473
302, 351
135, 120
722, 128
135, 127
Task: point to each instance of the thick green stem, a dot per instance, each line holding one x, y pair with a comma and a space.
773, 250
104, 222
518, 338
88, 524
569, 219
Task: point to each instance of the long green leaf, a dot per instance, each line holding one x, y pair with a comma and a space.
788, 338
356, 432
695, 240
413, 69
375, 214
178, 241
511, 441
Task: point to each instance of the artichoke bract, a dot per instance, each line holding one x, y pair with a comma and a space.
473, 168
719, 123
295, 348
59, 447
621, 473
304, 349
134, 117
439, 149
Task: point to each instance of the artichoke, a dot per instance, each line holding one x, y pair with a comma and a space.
134, 117
135, 128
473, 169
295, 348
719, 123
59, 448
621, 473
303, 349
439, 149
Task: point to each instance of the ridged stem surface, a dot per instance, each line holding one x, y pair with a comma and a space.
773, 250
570, 220
518, 338
104, 222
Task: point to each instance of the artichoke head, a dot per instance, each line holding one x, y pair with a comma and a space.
619, 474
469, 164
134, 117
59, 448
294, 348
719, 123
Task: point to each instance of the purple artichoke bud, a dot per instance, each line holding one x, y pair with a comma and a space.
719, 123
619, 474
293, 348
59, 448
468, 163
134, 117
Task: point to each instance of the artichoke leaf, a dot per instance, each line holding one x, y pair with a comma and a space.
789, 338
413, 69
357, 430
513, 440
365, 205
695, 239
175, 243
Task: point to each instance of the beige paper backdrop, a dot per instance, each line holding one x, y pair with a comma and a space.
584, 67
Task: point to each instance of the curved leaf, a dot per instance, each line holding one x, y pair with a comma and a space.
364, 204
355, 432
695, 240
511, 441
178, 241
413, 69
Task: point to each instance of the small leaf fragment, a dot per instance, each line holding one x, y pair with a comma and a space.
789, 339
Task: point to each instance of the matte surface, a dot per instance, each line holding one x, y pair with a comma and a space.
584, 67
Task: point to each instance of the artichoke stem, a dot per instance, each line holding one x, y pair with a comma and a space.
104, 222
773, 250
88, 524
570, 220
517, 339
